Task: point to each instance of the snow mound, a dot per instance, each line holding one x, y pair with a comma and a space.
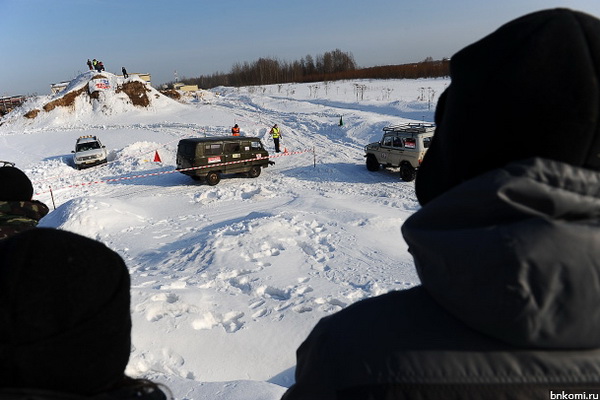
90, 95
94, 216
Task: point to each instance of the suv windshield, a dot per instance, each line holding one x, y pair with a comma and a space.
87, 146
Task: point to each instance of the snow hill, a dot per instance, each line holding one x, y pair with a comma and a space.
228, 280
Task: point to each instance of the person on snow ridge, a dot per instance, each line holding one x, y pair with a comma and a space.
18, 212
89, 64
276, 135
65, 323
125, 74
235, 131
506, 244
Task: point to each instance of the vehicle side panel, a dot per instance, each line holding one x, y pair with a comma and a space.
227, 154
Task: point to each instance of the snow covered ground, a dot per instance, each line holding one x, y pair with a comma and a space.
228, 280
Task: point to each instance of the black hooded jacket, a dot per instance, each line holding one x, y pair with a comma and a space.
507, 243
65, 323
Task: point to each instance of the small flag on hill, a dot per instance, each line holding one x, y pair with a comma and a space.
157, 157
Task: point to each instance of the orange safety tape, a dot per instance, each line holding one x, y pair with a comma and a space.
289, 153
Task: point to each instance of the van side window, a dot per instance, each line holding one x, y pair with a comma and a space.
212, 149
387, 141
397, 142
232, 147
426, 142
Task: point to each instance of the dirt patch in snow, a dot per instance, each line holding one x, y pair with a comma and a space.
137, 93
32, 114
172, 93
68, 100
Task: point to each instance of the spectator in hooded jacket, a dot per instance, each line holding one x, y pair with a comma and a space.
18, 212
65, 323
506, 244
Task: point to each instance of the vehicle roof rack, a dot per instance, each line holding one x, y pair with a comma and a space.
410, 127
6, 163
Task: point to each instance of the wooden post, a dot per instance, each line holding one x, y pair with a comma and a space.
52, 197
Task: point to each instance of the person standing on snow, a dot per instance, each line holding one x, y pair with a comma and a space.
235, 131
89, 64
125, 75
276, 135
18, 212
506, 243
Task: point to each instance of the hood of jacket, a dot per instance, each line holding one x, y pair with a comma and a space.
514, 253
65, 319
529, 89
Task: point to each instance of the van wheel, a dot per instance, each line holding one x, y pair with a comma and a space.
212, 178
372, 163
407, 173
254, 172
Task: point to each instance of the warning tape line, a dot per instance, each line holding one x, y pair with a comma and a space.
123, 178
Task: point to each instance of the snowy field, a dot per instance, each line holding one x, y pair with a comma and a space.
228, 280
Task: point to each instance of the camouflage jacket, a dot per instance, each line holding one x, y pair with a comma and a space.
17, 216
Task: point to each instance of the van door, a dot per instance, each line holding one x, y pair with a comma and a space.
232, 153
391, 150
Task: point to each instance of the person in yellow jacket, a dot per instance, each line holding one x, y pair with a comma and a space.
276, 135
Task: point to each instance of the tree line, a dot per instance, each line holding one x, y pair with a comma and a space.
330, 66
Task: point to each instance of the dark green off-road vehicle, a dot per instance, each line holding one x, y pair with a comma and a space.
210, 157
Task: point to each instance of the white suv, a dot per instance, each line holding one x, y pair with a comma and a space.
401, 146
88, 152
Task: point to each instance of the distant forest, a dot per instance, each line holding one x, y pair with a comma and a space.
330, 66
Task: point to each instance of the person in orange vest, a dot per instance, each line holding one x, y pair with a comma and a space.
235, 131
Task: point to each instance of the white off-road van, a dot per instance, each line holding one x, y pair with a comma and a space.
401, 146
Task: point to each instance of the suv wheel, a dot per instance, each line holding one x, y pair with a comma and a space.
254, 172
212, 178
372, 163
407, 173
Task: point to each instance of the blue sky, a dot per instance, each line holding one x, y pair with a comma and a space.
49, 41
